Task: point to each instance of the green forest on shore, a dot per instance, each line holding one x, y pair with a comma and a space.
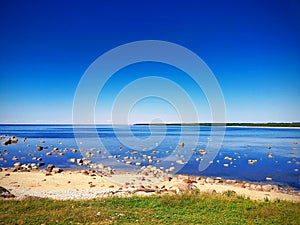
271, 124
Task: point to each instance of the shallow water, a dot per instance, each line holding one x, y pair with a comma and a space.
161, 143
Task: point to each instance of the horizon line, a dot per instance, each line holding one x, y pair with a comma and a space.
149, 123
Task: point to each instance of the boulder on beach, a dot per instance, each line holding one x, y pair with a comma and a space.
4, 193
57, 170
17, 165
267, 187
230, 181
209, 180
189, 181
186, 187
258, 187
50, 167
34, 166
168, 178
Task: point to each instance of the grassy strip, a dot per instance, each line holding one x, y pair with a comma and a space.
192, 208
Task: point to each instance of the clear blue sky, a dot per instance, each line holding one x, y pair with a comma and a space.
252, 47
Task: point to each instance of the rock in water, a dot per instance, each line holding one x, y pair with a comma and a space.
6, 142
79, 162
180, 162
202, 152
40, 164
14, 140
39, 148
72, 160
252, 161
181, 144
228, 158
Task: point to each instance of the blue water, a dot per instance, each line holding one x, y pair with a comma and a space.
160, 142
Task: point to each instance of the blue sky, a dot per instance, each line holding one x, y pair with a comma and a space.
252, 47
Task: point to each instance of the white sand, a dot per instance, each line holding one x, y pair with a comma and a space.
75, 185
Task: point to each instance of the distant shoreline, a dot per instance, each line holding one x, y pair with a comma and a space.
262, 127
254, 125
245, 125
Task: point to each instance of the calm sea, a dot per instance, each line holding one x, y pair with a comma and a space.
275, 149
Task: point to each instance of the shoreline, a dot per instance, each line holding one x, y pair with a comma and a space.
265, 127
90, 184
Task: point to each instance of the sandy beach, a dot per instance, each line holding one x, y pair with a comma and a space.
87, 184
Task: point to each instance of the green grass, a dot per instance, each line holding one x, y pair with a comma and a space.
195, 208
